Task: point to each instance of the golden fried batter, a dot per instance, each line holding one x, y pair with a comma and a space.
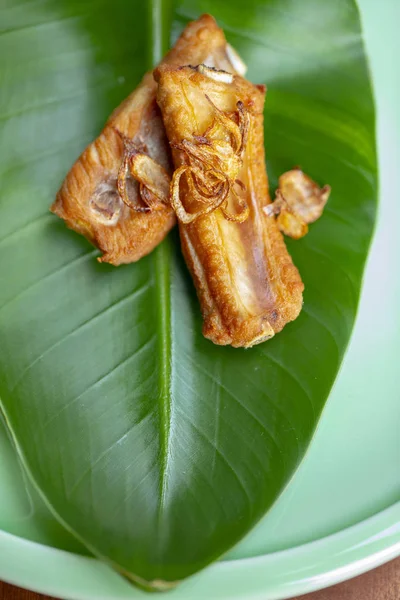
107, 196
247, 284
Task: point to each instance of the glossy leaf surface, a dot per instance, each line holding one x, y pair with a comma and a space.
157, 448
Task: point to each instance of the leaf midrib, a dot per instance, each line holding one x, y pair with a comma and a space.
159, 40
162, 288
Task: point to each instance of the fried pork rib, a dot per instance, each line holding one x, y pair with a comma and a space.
247, 284
116, 194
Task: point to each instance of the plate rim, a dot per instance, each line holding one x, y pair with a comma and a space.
326, 561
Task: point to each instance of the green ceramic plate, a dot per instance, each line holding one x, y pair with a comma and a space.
341, 513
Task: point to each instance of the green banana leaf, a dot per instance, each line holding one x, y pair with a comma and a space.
157, 449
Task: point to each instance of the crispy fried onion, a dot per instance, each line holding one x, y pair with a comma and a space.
213, 166
299, 201
288, 221
153, 179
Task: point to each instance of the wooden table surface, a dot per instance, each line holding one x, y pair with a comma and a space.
382, 583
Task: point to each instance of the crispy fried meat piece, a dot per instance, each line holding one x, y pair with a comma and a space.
246, 282
116, 192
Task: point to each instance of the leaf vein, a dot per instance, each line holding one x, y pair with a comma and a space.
89, 322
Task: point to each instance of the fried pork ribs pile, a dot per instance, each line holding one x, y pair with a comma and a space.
187, 146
